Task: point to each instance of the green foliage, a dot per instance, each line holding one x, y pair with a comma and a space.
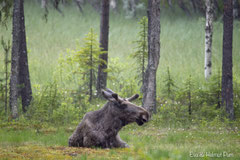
169, 89
236, 95
141, 50
5, 11
4, 78
125, 86
53, 105
80, 66
213, 95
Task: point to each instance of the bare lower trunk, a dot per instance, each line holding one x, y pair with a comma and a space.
183, 6
44, 3
79, 4
91, 72
16, 39
149, 89
236, 9
194, 5
24, 78
208, 38
227, 77
96, 4
104, 31
200, 6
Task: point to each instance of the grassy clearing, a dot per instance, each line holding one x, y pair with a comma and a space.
148, 142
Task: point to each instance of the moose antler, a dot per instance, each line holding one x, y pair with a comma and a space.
133, 97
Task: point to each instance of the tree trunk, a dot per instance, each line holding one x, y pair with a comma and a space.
79, 4
91, 69
217, 7
104, 31
200, 5
44, 3
227, 77
208, 38
183, 6
194, 6
24, 78
20, 80
236, 9
16, 46
149, 89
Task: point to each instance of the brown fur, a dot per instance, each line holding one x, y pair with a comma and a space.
100, 128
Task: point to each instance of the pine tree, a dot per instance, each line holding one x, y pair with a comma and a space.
6, 47
141, 53
170, 86
88, 60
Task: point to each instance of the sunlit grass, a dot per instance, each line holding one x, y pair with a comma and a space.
145, 143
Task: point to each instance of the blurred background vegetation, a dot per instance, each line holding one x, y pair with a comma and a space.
59, 92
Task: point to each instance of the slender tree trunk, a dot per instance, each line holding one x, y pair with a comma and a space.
104, 31
96, 4
208, 38
149, 89
144, 50
200, 5
79, 4
217, 7
194, 6
183, 6
227, 77
44, 3
91, 70
16, 46
24, 77
236, 9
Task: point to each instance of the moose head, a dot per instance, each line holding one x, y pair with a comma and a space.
100, 128
124, 109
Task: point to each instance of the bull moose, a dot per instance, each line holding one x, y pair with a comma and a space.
100, 128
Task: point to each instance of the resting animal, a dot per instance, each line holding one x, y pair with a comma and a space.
100, 128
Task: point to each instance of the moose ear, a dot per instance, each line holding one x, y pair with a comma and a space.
115, 96
133, 97
109, 96
106, 95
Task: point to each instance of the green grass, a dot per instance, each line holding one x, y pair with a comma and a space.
145, 143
